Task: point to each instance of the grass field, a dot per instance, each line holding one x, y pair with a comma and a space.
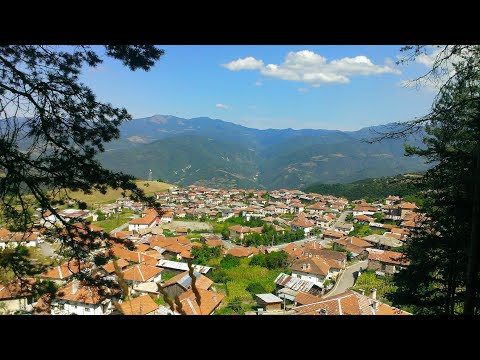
369, 280
242, 276
114, 222
96, 197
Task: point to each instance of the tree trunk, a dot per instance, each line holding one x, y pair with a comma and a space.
473, 256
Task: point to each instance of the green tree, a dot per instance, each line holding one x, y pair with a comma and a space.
379, 217
444, 254
229, 262
255, 288
52, 127
204, 253
101, 215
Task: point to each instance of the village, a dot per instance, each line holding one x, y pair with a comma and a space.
253, 252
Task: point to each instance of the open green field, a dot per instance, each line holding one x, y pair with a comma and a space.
115, 221
369, 280
111, 195
239, 278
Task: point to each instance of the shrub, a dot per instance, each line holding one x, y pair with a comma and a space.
255, 288
229, 262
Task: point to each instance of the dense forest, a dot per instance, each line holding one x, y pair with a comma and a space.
371, 189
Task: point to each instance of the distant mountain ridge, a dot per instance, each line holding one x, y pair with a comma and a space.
216, 153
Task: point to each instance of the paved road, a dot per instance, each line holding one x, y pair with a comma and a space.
348, 278
341, 219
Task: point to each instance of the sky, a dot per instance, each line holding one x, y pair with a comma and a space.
270, 86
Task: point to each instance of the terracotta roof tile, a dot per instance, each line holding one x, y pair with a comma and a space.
141, 305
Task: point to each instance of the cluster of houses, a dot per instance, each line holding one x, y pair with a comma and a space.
154, 259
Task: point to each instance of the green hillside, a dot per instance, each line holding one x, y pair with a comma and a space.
185, 160
373, 189
216, 153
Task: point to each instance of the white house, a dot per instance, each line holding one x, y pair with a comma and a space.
79, 299
302, 223
8, 239
15, 296
314, 269
148, 220
142, 273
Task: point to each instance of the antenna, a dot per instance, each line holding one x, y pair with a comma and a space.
149, 174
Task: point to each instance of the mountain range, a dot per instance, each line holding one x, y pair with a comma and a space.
216, 153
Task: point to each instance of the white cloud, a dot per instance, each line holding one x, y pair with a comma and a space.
248, 63
258, 83
303, 90
311, 68
222, 106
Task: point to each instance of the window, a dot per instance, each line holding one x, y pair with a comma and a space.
87, 309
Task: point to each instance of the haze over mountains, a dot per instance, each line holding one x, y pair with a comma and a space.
221, 154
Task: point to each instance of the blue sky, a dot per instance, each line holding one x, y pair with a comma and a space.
262, 86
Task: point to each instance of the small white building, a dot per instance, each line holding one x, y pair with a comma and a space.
77, 299
8, 239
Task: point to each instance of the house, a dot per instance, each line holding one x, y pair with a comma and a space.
182, 282
364, 219
313, 269
298, 207
209, 301
391, 200
142, 305
63, 273
407, 208
304, 299
349, 303
49, 219
345, 227
8, 239
175, 267
296, 284
142, 273
109, 268
133, 256
302, 223
240, 251
181, 231
392, 212
383, 241
316, 208
387, 262
76, 298
16, 296
167, 217
149, 219
268, 302
354, 245
332, 235
239, 231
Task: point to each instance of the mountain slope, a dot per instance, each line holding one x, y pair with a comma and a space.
188, 159
221, 154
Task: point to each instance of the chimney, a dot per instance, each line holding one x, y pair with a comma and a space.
373, 295
375, 305
361, 291
74, 286
323, 312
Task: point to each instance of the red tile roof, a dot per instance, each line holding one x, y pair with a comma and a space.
141, 305
385, 256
